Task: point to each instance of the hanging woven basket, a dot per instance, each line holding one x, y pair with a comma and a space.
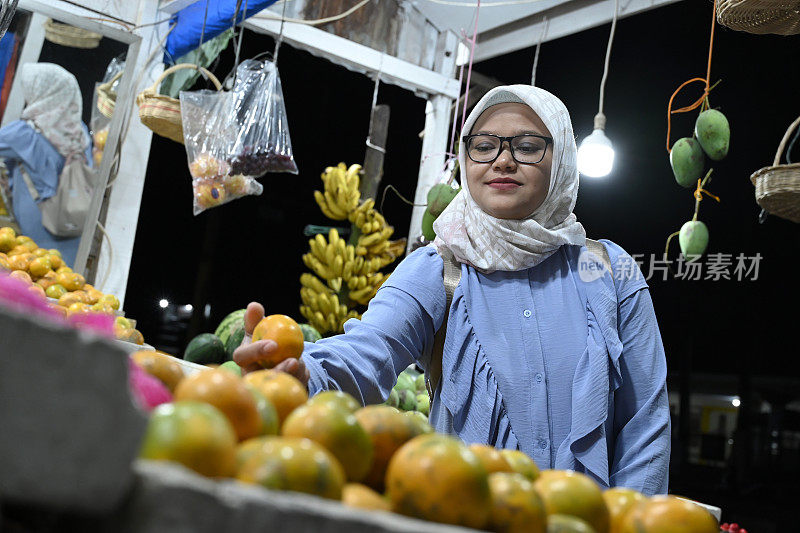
760, 16
66, 35
162, 114
778, 186
106, 98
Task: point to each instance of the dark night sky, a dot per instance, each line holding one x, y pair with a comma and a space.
256, 254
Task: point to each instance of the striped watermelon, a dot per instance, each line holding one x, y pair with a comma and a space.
229, 323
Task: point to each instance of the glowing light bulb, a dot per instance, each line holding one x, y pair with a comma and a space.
736, 402
163, 304
596, 155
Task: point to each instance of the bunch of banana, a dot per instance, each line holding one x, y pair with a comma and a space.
341, 195
367, 287
321, 306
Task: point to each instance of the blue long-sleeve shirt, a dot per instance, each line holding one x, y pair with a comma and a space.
571, 372
20, 144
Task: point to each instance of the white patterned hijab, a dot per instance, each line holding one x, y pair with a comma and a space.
488, 243
53, 103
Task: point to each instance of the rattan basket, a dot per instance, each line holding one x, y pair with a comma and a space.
778, 186
106, 98
162, 114
760, 16
66, 35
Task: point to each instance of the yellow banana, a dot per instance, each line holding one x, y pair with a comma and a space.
338, 213
338, 265
370, 239
333, 237
335, 284
341, 249
361, 251
351, 252
313, 282
347, 269
379, 248
324, 304
352, 283
330, 253
352, 176
320, 318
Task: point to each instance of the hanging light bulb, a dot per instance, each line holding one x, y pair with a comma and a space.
596, 154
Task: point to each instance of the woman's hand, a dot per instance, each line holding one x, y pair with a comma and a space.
250, 354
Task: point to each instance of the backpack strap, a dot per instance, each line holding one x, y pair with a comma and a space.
598, 250
452, 275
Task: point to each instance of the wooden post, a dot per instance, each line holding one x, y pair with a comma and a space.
373, 159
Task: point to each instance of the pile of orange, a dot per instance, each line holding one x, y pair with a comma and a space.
263, 429
46, 275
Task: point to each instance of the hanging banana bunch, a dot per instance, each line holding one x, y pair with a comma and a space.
345, 273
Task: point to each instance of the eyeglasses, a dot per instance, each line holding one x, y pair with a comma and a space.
526, 149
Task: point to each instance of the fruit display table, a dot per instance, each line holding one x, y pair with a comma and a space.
69, 446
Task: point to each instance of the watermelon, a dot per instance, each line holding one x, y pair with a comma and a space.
309, 333
234, 340
205, 349
223, 331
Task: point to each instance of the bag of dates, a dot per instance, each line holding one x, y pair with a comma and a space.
262, 143
208, 134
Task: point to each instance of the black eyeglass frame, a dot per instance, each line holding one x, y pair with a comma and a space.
547, 140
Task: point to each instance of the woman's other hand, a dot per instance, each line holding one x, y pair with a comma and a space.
250, 354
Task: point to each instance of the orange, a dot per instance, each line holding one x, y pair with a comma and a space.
7, 239
299, 465
38, 290
77, 307
55, 291
619, 500
71, 281
39, 252
94, 296
161, 366
491, 458
284, 391
419, 421
69, 298
64, 268
246, 449
270, 424
336, 398
26, 243
227, 393
55, 260
516, 506
20, 261
122, 322
4, 262
574, 494
109, 299
287, 335
562, 523
363, 497
388, 430
338, 431
22, 276
668, 514
102, 308
194, 434
521, 463
39, 266
435, 477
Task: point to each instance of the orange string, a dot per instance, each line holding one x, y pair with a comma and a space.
698, 193
706, 80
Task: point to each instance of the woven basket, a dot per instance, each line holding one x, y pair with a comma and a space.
778, 186
106, 98
760, 16
162, 114
66, 35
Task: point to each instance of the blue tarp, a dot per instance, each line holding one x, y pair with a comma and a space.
185, 37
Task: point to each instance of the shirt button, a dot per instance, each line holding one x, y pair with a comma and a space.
543, 444
527, 313
539, 377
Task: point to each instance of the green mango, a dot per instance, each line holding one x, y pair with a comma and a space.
693, 239
714, 134
686, 159
405, 382
419, 384
439, 197
408, 400
393, 400
423, 403
427, 226
231, 366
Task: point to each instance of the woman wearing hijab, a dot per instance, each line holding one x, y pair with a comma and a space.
49, 130
538, 356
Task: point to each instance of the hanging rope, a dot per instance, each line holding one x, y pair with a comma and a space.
372, 109
469, 70
703, 100
546, 23
241, 34
279, 41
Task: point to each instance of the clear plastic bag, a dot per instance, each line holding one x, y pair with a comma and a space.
208, 134
98, 128
262, 143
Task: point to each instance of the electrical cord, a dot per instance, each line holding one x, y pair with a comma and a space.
608, 56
